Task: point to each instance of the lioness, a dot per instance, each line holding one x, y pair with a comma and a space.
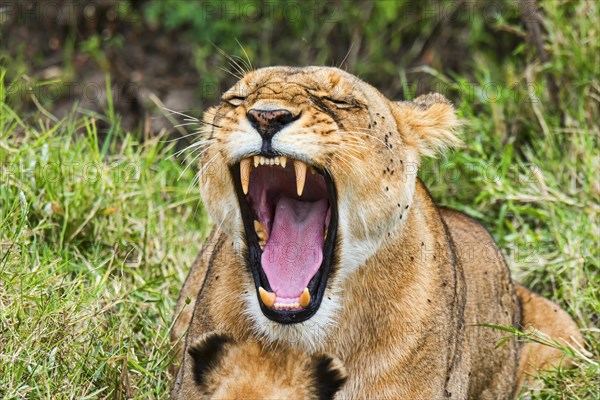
225, 369
328, 241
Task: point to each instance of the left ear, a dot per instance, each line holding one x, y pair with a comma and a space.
429, 123
330, 375
206, 354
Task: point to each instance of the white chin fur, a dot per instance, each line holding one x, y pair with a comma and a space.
310, 335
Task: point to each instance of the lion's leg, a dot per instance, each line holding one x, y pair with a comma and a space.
541, 314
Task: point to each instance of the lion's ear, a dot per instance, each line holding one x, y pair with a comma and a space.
206, 353
330, 375
429, 122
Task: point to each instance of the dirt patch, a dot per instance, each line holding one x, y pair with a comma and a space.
69, 47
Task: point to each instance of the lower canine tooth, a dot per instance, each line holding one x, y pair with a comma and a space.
245, 167
268, 298
304, 299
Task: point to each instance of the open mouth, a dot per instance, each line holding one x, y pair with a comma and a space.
289, 210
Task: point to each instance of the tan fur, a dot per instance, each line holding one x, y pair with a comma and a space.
540, 314
412, 283
249, 370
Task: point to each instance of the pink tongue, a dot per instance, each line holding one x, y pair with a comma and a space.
294, 251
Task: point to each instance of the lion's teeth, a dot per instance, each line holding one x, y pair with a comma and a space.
283, 161
312, 170
304, 299
245, 168
300, 168
268, 298
256, 161
276, 160
262, 160
261, 232
286, 306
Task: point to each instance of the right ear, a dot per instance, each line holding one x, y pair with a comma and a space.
330, 375
206, 353
431, 122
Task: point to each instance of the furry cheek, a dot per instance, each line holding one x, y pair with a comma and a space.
216, 190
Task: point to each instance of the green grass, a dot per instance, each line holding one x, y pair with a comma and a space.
98, 230
95, 243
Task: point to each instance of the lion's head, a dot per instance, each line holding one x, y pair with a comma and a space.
311, 169
225, 369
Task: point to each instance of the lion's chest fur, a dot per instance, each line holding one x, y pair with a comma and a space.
404, 325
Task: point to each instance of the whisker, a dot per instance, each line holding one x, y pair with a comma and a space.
179, 138
347, 157
182, 114
372, 136
186, 124
239, 67
350, 165
346, 56
354, 145
194, 146
236, 66
188, 166
353, 166
202, 151
223, 220
200, 141
236, 76
248, 64
194, 159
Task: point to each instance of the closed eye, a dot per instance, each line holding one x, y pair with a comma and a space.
234, 100
341, 103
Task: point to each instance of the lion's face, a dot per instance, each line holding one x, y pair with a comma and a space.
312, 169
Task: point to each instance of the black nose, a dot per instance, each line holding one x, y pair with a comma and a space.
269, 122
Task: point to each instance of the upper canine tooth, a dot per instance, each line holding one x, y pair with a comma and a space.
300, 168
268, 298
245, 168
256, 161
304, 299
283, 161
